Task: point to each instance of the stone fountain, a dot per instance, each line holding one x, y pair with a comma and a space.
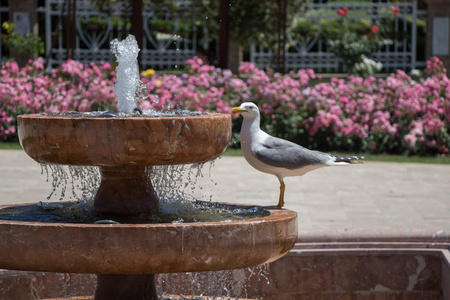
126, 256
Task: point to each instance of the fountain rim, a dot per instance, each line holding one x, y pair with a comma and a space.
118, 117
121, 141
275, 215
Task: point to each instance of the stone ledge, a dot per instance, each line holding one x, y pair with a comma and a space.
406, 236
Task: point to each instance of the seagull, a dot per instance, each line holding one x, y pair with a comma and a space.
277, 156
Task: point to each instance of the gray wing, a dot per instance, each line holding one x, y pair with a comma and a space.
280, 153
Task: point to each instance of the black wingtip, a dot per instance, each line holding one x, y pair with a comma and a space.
349, 159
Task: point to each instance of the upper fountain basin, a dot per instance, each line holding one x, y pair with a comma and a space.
122, 141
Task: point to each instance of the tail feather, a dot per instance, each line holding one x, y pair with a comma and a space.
348, 159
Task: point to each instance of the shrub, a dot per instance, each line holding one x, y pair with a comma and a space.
351, 44
24, 45
72, 87
394, 115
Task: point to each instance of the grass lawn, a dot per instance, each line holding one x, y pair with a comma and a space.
10, 146
368, 157
376, 157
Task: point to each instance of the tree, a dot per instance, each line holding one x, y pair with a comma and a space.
251, 21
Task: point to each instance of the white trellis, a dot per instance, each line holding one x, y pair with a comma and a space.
310, 50
169, 47
170, 37
94, 30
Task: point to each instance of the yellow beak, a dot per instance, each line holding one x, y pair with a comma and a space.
238, 110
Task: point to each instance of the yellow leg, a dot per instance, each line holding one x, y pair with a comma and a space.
281, 200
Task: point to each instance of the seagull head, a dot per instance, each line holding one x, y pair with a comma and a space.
248, 110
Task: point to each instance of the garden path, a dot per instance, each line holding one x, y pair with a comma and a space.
373, 195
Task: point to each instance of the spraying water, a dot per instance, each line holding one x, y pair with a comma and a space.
129, 89
128, 81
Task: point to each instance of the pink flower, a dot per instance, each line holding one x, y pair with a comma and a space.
247, 67
395, 11
342, 12
104, 66
14, 67
374, 29
344, 99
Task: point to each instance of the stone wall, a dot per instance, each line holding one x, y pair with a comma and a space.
326, 271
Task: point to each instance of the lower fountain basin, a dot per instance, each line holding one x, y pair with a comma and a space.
324, 264
146, 248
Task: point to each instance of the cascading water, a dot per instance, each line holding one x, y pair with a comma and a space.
174, 185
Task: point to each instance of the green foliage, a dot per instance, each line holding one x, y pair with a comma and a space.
170, 26
352, 35
251, 21
325, 24
351, 47
104, 5
23, 45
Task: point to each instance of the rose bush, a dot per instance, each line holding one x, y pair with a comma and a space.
354, 41
72, 87
395, 115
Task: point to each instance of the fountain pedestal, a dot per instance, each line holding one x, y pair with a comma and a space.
126, 287
125, 191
